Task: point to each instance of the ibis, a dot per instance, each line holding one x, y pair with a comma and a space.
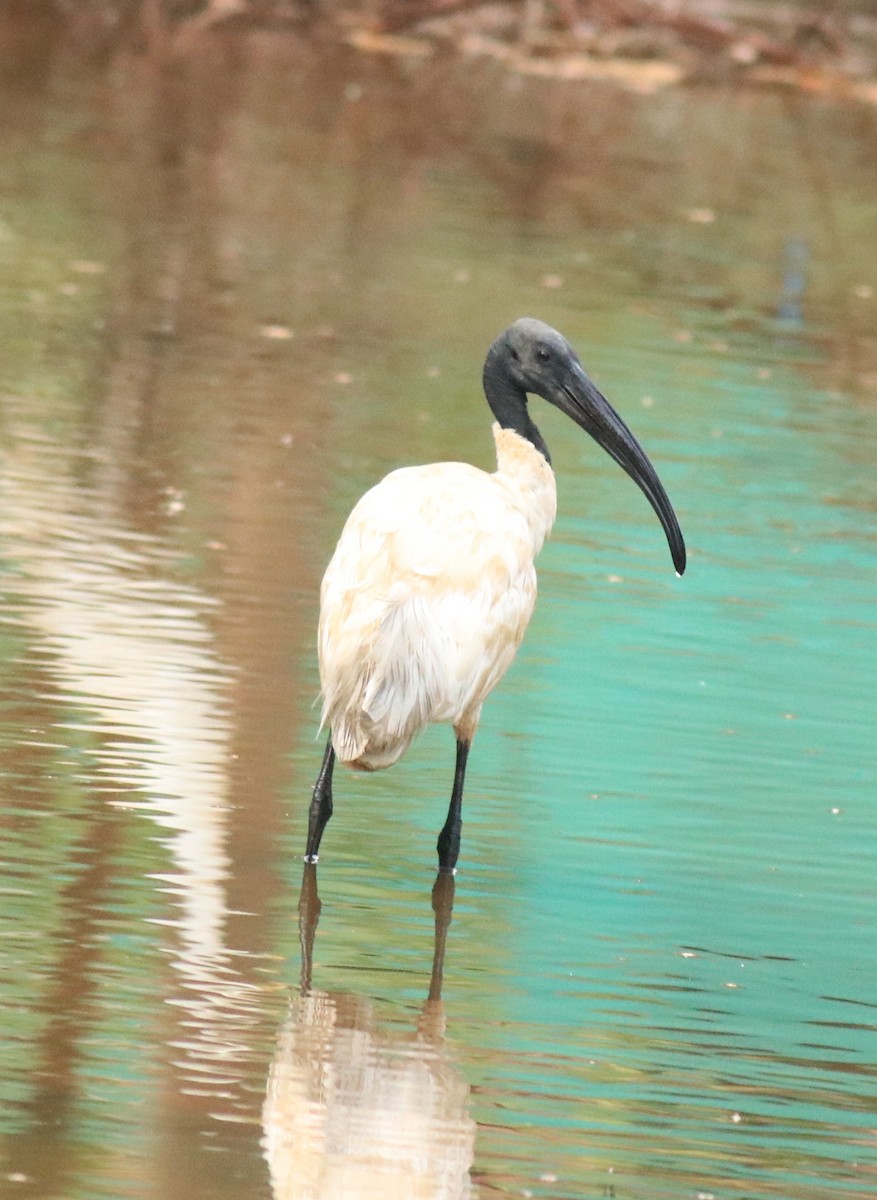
432, 584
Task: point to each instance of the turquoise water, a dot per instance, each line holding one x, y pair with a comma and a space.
658, 979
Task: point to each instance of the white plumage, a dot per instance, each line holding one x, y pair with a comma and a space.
432, 584
427, 597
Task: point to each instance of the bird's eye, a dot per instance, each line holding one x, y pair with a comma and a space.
515, 355
542, 354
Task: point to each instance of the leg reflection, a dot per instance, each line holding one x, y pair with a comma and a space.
443, 907
357, 1105
309, 906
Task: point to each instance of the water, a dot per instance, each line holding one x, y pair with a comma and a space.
234, 295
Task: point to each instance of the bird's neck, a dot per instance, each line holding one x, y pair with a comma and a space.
527, 479
508, 403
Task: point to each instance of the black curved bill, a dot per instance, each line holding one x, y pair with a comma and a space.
589, 408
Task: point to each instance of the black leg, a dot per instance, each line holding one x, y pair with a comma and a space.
321, 805
449, 838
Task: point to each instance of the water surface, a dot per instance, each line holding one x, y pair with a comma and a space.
236, 293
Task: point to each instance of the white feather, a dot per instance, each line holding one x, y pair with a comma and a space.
427, 598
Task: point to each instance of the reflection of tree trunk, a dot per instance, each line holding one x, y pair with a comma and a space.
164, 422
187, 311
170, 340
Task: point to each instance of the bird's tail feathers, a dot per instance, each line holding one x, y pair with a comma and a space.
403, 684
393, 693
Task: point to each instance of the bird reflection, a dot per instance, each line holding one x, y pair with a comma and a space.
356, 1109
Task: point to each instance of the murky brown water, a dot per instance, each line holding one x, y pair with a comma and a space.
236, 292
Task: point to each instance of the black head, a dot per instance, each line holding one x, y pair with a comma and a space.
532, 357
538, 357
